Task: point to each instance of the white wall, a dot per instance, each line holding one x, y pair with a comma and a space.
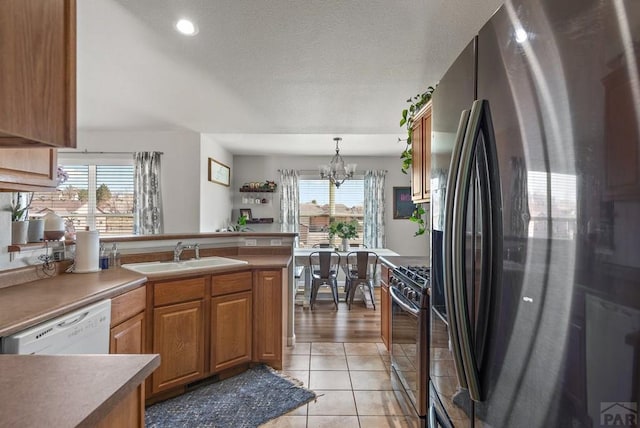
215, 199
399, 233
180, 173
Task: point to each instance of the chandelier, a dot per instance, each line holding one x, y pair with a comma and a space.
337, 172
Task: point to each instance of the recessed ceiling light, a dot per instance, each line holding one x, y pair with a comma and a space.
187, 27
521, 35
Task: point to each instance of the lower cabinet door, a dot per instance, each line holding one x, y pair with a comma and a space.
128, 336
231, 330
385, 304
267, 308
178, 336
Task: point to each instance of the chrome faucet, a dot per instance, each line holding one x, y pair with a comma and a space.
177, 251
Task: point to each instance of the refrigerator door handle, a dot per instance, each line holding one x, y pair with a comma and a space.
436, 419
459, 240
448, 259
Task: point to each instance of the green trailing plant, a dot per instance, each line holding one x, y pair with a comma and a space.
344, 230
418, 217
415, 104
240, 226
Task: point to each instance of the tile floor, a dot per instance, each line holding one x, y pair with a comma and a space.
354, 384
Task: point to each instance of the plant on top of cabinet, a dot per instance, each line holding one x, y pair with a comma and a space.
416, 103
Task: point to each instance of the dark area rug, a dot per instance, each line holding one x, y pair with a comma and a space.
246, 400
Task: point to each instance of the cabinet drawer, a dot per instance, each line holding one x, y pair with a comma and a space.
165, 293
127, 305
231, 283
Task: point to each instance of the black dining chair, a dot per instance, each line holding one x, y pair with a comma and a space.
361, 268
324, 267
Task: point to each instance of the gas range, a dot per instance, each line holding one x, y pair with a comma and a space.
413, 283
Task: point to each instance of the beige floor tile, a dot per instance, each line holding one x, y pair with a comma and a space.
382, 403
301, 375
373, 381
336, 379
295, 362
300, 411
327, 348
365, 362
361, 348
382, 349
333, 421
299, 349
287, 422
388, 422
331, 403
328, 362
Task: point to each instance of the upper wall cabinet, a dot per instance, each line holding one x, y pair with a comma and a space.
38, 73
421, 155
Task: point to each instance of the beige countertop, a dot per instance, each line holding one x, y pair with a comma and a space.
67, 391
28, 304
396, 261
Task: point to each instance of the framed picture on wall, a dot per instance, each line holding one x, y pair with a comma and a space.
219, 172
246, 212
403, 206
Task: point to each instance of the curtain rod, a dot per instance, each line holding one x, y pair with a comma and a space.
86, 152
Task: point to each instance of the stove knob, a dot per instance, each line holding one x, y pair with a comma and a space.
411, 295
406, 291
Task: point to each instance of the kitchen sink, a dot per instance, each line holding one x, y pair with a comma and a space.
183, 266
212, 262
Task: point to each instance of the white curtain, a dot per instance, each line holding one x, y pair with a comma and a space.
147, 196
374, 208
289, 201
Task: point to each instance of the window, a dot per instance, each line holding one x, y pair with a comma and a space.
321, 202
97, 196
560, 191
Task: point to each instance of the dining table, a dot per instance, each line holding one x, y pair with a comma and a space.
302, 270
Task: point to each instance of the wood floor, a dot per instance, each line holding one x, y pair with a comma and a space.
325, 324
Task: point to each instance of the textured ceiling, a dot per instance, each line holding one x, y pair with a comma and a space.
333, 67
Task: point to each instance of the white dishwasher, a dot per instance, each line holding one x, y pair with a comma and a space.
83, 331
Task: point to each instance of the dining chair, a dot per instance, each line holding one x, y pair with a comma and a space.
361, 268
324, 267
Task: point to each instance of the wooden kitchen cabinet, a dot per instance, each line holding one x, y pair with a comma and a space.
28, 169
385, 304
267, 317
178, 332
421, 155
38, 73
128, 323
621, 136
231, 320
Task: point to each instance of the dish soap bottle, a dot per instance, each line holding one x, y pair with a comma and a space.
114, 259
104, 258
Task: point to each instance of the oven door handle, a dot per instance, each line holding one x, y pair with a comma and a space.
400, 300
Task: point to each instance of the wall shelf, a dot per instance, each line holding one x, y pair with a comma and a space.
260, 220
261, 190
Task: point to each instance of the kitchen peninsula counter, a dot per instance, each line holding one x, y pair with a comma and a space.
28, 304
70, 390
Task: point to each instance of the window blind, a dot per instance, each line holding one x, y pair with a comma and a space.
320, 201
96, 196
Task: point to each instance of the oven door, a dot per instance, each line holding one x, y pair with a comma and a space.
405, 348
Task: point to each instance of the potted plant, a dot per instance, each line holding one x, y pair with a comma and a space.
344, 230
19, 209
416, 103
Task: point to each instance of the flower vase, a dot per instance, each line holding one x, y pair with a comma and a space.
345, 244
19, 232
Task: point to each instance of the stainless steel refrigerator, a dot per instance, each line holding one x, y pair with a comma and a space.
535, 179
